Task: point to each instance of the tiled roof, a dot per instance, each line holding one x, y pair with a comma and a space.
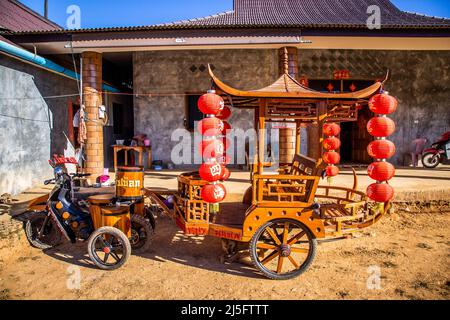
314, 13
277, 14
14, 16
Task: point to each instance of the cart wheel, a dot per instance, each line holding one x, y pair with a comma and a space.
141, 234
282, 249
109, 248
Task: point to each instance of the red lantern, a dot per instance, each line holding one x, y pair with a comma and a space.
381, 171
380, 192
381, 149
331, 157
225, 174
213, 193
224, 159
210, 126
331, 129
331, 143
224, 114
332, 171
211, 148
210, 172
383, 104
210, 103
226, 127
380, 127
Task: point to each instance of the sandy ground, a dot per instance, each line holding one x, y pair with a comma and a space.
405, 256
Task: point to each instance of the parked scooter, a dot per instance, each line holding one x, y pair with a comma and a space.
60, 214
438, 153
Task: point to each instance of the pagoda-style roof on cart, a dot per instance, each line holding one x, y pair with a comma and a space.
287, 87
286, 98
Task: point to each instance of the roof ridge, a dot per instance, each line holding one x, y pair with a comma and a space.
215, 15
425, 15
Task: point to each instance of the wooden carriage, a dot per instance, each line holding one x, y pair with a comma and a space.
281, 215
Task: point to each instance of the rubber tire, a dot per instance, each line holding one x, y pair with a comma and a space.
430, 166
287, 276
138, 219
37, 243
117, 233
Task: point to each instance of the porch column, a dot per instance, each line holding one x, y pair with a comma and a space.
92, 99
288, 63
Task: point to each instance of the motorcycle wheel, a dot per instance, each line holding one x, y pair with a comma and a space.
431, 160
51, 236
109, 248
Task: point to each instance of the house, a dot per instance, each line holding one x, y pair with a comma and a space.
149, 77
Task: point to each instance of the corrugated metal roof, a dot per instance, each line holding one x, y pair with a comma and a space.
346, 14
16, 17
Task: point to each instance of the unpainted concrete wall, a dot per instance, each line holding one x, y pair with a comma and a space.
168, 73
31, 128
420, 80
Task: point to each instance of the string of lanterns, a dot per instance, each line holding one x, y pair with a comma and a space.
331, 144
381, 149
213, 146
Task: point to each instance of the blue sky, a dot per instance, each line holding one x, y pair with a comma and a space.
110, 13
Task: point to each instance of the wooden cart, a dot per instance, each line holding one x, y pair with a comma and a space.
281, 215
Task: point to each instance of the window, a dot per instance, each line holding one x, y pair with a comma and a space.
192, 112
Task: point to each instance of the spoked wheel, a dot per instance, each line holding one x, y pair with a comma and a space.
39, 235
141, 234
109, 248
282, 249
431, 160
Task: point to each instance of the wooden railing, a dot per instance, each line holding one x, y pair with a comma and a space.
284, 190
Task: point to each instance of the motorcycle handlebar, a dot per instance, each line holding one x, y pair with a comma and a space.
46, 182
80, 175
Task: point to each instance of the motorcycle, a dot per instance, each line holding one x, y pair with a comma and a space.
61, 214
438, 153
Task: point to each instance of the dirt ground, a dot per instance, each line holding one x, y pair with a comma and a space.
405, 256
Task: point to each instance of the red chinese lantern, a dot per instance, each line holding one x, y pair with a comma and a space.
331, 129
380, 192
381, 149
331, 157
383, 104
213, 193
210, 103
332, 171
224, 114
226, 127
331, 143
210, 126
211, 172
211, 148
381, 171
225, 174
224, 159
380, 127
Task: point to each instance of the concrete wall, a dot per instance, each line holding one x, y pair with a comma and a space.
420, 80
31, 128
168, 73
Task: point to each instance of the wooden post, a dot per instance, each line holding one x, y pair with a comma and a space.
92, 99
261, 132
322, 114
288, 64
298, 137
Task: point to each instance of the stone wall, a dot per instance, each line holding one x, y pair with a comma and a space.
31, 128
169, 74
419, 79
